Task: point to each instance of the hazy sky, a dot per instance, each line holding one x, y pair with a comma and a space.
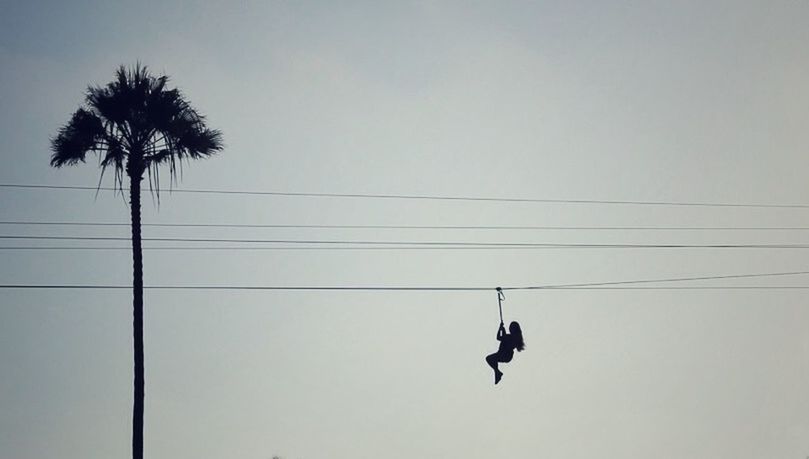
650, 101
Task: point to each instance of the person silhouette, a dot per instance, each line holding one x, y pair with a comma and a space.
508, 342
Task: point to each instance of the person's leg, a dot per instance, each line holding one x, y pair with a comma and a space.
492, 360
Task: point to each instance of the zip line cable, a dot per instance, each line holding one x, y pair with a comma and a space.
422, 243
417, 227
614, 285
651, 281
410, 289
426, 197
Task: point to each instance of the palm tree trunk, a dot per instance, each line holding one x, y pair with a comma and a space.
137, 312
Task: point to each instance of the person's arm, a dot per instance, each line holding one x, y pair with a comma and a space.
501, 332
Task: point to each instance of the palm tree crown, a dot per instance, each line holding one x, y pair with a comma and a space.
135, 124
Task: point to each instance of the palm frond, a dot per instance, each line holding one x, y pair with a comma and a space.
82, 134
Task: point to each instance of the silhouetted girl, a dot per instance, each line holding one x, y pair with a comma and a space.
508, 342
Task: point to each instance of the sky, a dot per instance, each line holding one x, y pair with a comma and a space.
628, 101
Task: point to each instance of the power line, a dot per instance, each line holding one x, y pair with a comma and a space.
384, 248
614, 285
420, 243
274, 248
428, 197
243, 248
415, 227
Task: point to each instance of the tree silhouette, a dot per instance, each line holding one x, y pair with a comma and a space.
135, 124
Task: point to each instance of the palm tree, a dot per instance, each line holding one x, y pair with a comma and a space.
135, 124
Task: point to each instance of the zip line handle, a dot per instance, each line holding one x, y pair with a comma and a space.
500, 298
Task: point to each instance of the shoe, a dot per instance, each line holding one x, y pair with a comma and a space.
498, 376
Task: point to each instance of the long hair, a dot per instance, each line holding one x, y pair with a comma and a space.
515, 331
